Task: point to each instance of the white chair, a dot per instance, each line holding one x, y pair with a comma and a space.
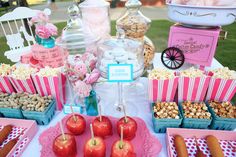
13, 26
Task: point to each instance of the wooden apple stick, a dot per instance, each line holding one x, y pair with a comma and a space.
92, 134
73, 113
126, 120
62, 131
121, 137
100, 112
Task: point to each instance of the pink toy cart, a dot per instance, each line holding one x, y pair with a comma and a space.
191, 44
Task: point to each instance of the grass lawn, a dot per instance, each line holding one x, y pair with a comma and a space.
226, 50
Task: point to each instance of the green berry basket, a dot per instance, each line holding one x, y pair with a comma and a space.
42, 118
12, 113
160, 125
219, 123
194, 123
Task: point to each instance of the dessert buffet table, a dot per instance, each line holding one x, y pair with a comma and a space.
135, 95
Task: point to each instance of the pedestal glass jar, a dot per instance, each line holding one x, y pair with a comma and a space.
121, 51
95, 16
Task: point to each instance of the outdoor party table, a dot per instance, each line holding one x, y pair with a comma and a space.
108, 98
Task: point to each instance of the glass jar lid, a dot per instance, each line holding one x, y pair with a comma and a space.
94, 3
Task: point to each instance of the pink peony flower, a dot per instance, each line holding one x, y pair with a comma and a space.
81, 68
92, 77
52, 28
82, 89
42, 17
42, 32
89, 59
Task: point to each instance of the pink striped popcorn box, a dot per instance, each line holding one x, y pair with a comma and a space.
25, 85
52, 85
221, 89
5, 85
162, 90
193, 89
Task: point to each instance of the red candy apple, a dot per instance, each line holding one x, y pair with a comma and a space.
102, 126
122, 150
130, 127
64, 147
95, 147
76, 124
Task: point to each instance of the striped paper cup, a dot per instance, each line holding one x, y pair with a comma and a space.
162, 90
192, 89
5, 85
25, 85
54, 85
221, 89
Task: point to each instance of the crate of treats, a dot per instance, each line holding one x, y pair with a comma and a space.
165, 115
195, 115
10, 105
39, 108
15, 135
200, 143
224, 115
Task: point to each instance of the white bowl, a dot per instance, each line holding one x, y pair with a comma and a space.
202, 15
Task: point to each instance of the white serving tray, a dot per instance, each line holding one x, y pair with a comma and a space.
202, 15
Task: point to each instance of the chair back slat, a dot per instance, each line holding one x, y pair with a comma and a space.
17, 27
3, 29
9, 26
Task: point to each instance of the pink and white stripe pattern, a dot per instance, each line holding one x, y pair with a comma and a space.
54, 85
23, 85
192, 89
5, 85
162, 90
221, 89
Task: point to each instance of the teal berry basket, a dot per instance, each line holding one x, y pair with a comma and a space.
194, 123
42, 118
219, 123
12, 113
160, 125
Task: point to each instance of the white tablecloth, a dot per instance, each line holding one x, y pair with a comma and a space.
135, 96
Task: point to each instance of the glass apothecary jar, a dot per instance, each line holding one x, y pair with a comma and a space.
76, 37
95, 16
133, 22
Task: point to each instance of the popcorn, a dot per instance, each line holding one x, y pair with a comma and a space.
162, 74
224, 109
196, 110
224, 73
167, 110
192, 72
22, 72
5, 69
47, 71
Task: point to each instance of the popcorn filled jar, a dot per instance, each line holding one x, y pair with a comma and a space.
135, 25
95, 16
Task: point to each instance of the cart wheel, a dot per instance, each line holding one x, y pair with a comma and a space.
172, 58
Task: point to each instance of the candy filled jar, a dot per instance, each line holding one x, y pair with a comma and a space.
95, 16
133, 22
121, 51
135, 25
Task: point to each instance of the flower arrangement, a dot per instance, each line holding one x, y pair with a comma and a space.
82, 73
44, 29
